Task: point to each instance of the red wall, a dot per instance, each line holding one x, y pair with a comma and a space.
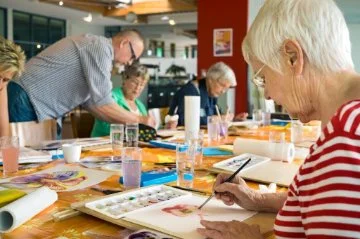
213, 14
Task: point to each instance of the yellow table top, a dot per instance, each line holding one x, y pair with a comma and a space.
85, 226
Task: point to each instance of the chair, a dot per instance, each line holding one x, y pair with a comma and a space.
82, 123
32, 133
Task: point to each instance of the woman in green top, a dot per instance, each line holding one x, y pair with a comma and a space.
135, 79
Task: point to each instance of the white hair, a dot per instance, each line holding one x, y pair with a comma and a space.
318, 25
221, 72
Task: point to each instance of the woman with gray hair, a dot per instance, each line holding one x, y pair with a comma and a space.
135, 78
219, 78
301, 53
12, 60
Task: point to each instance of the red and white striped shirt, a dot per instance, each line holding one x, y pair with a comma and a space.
324, 198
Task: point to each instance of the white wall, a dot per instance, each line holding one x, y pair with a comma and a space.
354, 37
76, 28
253, 94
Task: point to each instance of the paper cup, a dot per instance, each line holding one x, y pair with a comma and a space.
72, 153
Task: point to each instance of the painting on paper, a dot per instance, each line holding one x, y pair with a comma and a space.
58, 178
223, 42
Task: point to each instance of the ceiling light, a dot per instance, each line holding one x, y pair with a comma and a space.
165, 18
124, 1
121, 5
172, 22
61, 3
38, 46
88, 18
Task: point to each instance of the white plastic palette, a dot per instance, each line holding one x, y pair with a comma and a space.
123, 204
232, 164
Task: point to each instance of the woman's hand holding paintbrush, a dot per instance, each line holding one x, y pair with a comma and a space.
237, 191
226, 182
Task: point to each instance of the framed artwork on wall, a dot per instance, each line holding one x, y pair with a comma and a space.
223, 42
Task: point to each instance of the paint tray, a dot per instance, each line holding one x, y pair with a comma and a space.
120, 205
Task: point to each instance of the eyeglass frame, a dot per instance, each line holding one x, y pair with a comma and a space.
133, 55
259, 81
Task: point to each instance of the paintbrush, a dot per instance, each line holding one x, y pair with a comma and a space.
226, 181
218, 112
191, 190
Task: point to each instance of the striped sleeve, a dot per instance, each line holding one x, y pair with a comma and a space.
328, 183
96, 61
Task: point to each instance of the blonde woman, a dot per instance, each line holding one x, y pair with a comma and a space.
12, 60
135, 79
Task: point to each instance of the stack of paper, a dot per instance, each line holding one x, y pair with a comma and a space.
28, 155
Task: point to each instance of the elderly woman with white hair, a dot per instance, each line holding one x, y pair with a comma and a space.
301, 53
219, 78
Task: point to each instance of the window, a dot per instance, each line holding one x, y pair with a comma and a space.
112, 31
186, 52
160, 52
34, 33
194, 51
3, 22
172, 50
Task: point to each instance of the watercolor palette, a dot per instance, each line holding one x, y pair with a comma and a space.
120, 205
232, 164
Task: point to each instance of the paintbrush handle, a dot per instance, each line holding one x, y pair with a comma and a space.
218, 111
237, 171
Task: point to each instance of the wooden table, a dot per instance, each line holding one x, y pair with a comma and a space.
85, 226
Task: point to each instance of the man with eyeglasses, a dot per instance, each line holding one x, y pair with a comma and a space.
75, 71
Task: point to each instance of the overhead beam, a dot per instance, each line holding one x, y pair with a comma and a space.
157, 6
79, 5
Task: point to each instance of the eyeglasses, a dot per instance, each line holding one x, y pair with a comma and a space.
133, 56
137, 83
259, 81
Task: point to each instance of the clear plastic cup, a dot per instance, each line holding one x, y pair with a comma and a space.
117, 139
131, 167
10, 151
213, 128
185, 165
132, 135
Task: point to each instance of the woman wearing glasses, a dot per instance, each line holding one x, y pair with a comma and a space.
219, 78
12, 60
135, 77
301, 53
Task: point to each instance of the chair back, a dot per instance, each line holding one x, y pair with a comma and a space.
32, 133
82, 123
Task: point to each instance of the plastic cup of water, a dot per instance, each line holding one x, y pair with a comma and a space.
9, 146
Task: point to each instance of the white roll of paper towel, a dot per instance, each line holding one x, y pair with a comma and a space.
23, 209
275, 151
192, 115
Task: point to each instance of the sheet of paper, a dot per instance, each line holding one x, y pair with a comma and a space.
182, 219
59, 178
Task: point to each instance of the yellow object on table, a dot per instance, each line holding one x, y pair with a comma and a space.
9, 195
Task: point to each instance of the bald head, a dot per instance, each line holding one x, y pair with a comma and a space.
128, 46
132, 34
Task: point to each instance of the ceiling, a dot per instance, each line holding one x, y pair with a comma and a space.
130, 10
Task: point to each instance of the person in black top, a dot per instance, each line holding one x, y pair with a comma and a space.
219, 78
